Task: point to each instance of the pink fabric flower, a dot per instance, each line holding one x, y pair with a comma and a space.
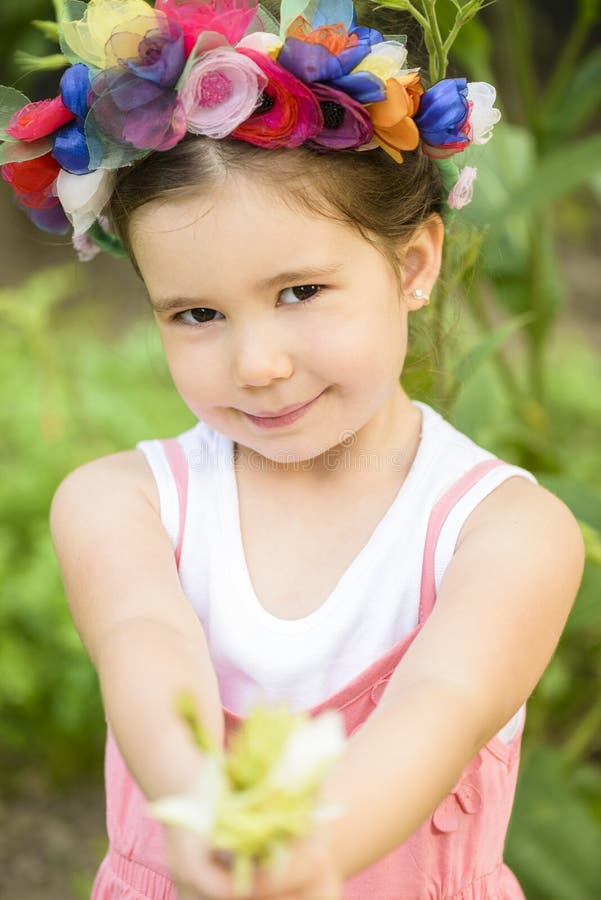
231, 18
36, 120
221, 91
86, 248
288, 113
463, 189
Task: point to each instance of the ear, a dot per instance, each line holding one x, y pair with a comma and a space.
421, 259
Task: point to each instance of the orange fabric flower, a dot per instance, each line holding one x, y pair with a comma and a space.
334, 38
392, 119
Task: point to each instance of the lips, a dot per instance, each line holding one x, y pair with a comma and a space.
287, 417
280, 412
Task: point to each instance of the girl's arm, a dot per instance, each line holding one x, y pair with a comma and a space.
502, 605
144, 639
500, 610
137, 626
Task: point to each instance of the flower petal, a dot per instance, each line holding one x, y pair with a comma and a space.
309, 748
288, 114
220, 92
71, 149
347, 124
39, 119
83, 197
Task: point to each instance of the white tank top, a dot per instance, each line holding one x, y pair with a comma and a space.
260, 657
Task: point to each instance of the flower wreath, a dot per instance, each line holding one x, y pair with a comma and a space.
140, 77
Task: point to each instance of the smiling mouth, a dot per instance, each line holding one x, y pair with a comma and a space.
285, 417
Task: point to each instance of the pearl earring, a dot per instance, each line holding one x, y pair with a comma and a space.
418, 294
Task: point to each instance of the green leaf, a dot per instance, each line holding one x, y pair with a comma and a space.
11, 101
580, 102
553, 839
21, 151
484, 349
270, 23
27, 62
72, 11
49, 29
557, 174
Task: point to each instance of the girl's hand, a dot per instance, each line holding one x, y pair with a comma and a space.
308, 873
194, 869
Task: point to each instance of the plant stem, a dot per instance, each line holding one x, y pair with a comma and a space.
584, 735
564, 68
520, 31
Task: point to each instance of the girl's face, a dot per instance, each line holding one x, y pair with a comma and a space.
261, 307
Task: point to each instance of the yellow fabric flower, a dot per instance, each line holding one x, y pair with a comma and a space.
385, 60
88, 37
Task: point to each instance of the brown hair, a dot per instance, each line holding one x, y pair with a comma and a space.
384, 200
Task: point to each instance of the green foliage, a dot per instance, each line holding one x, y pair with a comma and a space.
66, 397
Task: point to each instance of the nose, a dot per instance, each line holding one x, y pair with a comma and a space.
260, 356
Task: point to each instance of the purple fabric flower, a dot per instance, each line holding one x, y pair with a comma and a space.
136, 111
347, 124
442, 118
51, 219
326, 53
161, 57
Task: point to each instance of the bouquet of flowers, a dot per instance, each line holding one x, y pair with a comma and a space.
264, 791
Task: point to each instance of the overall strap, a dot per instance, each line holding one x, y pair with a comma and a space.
179, 469
438, 515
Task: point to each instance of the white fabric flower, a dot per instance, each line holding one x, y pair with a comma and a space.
484, 116
463, 189
310, 746
262, 41
196, 810
83, 197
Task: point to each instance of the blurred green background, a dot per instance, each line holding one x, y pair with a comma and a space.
508, 351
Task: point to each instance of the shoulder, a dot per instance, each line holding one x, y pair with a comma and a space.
529, 522
115, 477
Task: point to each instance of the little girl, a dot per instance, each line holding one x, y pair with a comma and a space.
318, 537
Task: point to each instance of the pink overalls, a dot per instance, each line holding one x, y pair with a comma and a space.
456, 854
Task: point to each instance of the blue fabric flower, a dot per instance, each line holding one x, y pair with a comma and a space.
327, 53
443, 111
74, 86
70, 149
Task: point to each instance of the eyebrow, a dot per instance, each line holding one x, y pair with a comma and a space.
291, 277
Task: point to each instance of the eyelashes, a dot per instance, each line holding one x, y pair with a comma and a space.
203, 315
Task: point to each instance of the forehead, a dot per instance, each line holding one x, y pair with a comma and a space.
238, 233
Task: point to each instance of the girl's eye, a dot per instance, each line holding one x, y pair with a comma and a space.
202, 315
303, 292
199, 315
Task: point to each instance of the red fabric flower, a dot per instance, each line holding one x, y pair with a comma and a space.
231, 18
289, 112
36, 120
32, 180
